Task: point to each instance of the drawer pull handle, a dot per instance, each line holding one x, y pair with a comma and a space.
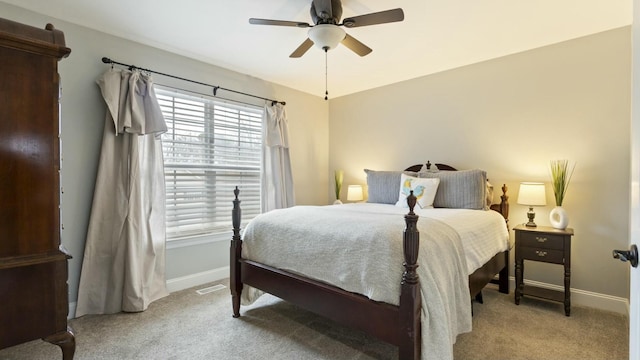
541, 253
541, 239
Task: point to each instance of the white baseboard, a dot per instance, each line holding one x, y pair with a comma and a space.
585, 298
578, 297
185, 282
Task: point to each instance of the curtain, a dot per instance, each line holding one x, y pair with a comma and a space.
124, 258
277, 180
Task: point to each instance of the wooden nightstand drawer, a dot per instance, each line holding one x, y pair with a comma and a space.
541, 240
542, 254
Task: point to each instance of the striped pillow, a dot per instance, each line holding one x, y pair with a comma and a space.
464, 189
383, 185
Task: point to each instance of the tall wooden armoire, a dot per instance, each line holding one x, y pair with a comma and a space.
33, 265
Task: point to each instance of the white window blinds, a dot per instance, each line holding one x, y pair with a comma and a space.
210, 147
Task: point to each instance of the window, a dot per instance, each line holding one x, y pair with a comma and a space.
210, 147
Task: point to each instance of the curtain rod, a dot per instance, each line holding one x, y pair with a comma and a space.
106, 60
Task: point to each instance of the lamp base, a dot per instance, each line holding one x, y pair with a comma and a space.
531, 215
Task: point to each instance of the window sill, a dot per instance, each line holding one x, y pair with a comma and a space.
198, 240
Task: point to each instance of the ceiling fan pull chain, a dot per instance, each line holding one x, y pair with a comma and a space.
326, 92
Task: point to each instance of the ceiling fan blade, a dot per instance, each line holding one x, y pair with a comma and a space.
299, 24
306, 45
381, 17
355, 45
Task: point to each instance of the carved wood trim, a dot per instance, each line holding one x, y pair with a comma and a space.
235, 280
410, 299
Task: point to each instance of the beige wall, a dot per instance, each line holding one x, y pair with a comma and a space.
83, 120
511, 116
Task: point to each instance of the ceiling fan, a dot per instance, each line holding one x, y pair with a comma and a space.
326, 33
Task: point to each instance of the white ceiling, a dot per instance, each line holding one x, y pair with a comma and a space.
436, 35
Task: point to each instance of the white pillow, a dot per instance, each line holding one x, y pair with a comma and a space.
424, 189
489, 195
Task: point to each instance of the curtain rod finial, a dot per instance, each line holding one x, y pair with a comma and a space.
106, 60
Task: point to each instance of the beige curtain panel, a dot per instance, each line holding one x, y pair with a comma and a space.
124, 259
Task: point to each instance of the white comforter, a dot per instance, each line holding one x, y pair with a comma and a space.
358, 247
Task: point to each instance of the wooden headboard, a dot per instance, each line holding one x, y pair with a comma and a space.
418, 167
502, 207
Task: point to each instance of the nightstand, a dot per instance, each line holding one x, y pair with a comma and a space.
543, 244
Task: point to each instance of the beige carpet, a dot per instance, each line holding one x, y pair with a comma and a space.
186, 325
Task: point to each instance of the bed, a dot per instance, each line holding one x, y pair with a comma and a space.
396, 319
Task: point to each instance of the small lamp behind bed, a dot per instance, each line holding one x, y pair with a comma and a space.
354, 193
532, 194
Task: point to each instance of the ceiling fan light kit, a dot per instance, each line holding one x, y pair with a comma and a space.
326, 36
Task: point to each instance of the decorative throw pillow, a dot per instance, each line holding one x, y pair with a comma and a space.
423, 189
489, 194
464, 189
382, 186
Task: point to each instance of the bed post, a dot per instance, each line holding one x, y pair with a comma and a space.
503, 208
410, 300
235, 282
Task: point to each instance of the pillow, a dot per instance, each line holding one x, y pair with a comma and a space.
464, 189
489, 194
423, 189
383, 185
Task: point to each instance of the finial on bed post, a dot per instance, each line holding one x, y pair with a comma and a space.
410, 300
411, 201
504, 203
235, 282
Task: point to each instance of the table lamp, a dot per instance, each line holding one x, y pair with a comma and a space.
532, 194
354, 193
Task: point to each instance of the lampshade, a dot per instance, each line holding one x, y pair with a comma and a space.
326, 36
354, 193
532, 194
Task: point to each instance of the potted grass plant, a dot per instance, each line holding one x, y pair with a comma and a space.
561, 172
338, 176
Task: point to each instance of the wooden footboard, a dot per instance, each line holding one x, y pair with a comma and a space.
398, 325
